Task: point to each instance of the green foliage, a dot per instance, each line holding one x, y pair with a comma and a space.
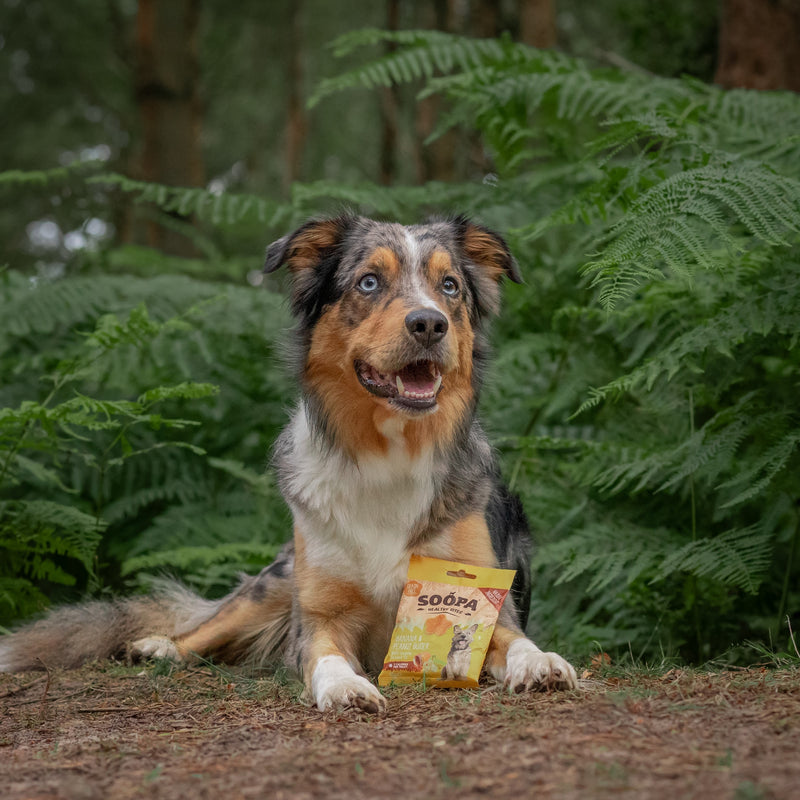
109, 437
219, 209
45, 443
643, 396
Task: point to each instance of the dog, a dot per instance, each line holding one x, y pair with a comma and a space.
383, 457
457, 666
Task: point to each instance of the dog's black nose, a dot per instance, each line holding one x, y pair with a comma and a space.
427, 325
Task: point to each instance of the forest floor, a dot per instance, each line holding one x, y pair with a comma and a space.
121, 732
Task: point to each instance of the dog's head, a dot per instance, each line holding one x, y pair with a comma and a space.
392, 315
462, 637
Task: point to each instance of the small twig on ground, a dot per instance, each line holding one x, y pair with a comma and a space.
57, 699
17, 689
46, 688
109, 710
791, 636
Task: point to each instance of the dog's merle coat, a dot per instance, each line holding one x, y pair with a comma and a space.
383, 457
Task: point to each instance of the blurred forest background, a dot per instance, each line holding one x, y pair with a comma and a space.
642, 159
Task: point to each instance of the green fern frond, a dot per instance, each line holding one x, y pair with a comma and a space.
186, 558
18, 595
129, 505
759, 124
610, 554
109, 331
774, 309
180, 391
42, 527
636, 468
424, 53
761, 472
31, 307
30, 469
43, 177
666, 224
738, 558
219, 209
258, 481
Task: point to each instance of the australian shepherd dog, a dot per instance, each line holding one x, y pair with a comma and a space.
383, 457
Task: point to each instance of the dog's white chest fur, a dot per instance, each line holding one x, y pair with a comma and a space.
356, 517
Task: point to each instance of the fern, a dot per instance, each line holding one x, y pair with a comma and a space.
222, 208
643, 398
757, 476
184, 558
737, 558
773, 310
679, 204
41, 539
423, 54
665, 224
668, 225
38, 539
130, 505
620, 558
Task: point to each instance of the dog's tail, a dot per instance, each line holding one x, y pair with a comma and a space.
249, 626
73, 635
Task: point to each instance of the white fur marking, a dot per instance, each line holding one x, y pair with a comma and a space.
528, 667
356, 517
334, 684
156, 647
419, 290
5, 658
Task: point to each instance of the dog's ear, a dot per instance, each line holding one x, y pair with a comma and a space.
308, 245
487, 250
312, 254
487, 260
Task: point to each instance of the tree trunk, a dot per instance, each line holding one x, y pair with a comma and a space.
296, 124
389, 107
537, 23
435, 161
759, 44
167, 92
486, 18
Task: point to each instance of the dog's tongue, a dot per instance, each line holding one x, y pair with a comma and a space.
418, 378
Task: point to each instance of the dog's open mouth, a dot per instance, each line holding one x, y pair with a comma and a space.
415, 386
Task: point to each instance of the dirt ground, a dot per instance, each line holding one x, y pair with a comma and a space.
121, 732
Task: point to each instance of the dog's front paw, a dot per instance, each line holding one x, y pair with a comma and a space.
527, 667
334, 684
155, 647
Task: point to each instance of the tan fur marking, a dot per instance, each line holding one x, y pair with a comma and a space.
439, 266
331, 376
306, 247
385, 259
236, 620
470, 543
485, 250
335, 613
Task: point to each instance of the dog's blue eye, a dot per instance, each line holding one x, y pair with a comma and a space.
449, 286
369, 283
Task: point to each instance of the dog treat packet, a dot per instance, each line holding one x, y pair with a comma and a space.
444, 623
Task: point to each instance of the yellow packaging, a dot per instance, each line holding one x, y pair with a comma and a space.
444, 623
